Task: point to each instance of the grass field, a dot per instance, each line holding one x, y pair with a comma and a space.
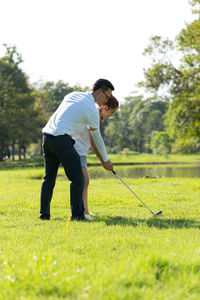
124, 254
135, 157
130, 157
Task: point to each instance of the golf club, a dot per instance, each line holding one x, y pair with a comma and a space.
159, 213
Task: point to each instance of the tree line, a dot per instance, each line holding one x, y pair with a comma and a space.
166, 121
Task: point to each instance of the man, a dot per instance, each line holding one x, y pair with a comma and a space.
76, 111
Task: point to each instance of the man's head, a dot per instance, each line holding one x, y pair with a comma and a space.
102, 90
107, 110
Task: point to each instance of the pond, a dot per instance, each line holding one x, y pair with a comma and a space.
147, 171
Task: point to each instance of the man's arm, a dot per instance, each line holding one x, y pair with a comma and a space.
95, 148
98, 144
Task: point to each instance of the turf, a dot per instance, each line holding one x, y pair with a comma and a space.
143, 158
121, 158
125, 253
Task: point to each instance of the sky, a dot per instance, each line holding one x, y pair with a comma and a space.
80, 41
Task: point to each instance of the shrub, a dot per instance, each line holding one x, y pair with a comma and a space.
160, 143
186, 145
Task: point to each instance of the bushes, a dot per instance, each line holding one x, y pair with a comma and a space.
186, 145
160, 143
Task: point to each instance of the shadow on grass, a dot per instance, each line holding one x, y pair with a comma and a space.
153, 222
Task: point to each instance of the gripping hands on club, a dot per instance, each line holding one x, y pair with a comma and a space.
107, 165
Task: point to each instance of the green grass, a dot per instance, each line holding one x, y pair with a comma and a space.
131, 157
124, 254
135, 157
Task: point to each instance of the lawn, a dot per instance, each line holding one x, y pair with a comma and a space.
121, 158
125, 253
141, 158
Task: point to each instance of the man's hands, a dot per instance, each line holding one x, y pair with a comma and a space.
107, 165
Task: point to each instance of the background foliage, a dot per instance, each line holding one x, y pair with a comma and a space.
168, 120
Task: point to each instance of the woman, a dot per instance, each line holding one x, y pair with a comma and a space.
84, 141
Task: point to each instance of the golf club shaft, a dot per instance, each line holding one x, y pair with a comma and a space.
133, 192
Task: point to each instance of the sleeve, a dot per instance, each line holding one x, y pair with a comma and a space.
99, 143
93, 119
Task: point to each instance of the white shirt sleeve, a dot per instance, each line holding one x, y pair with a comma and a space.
98, 140
93, 119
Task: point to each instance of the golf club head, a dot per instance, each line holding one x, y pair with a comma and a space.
159, 213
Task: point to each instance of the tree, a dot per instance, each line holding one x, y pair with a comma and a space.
160, 143
132, 126
53, 93
116, 129
146, 117
112, 136
17, 115
181, 82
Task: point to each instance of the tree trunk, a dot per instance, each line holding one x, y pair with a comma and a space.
24, 152
1, 151
13, 151
20, 153
1, 156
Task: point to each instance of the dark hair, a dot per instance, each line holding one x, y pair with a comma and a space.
112, 102
102, 84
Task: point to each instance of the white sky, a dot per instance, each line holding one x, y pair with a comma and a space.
79, 41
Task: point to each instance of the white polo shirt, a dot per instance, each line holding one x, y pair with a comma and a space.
76, 111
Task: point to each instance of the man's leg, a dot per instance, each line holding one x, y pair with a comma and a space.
51, 167
76, 191
70, 160
74, 173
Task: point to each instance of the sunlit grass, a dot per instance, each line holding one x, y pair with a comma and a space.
125, 253
135, 157
122, 158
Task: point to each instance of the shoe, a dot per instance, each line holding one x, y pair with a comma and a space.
87, 218
77, 218
92, 214
44, 217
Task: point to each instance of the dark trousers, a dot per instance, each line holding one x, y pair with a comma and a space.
56, 150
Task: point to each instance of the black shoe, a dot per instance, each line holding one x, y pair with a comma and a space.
43, 217
77, 218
